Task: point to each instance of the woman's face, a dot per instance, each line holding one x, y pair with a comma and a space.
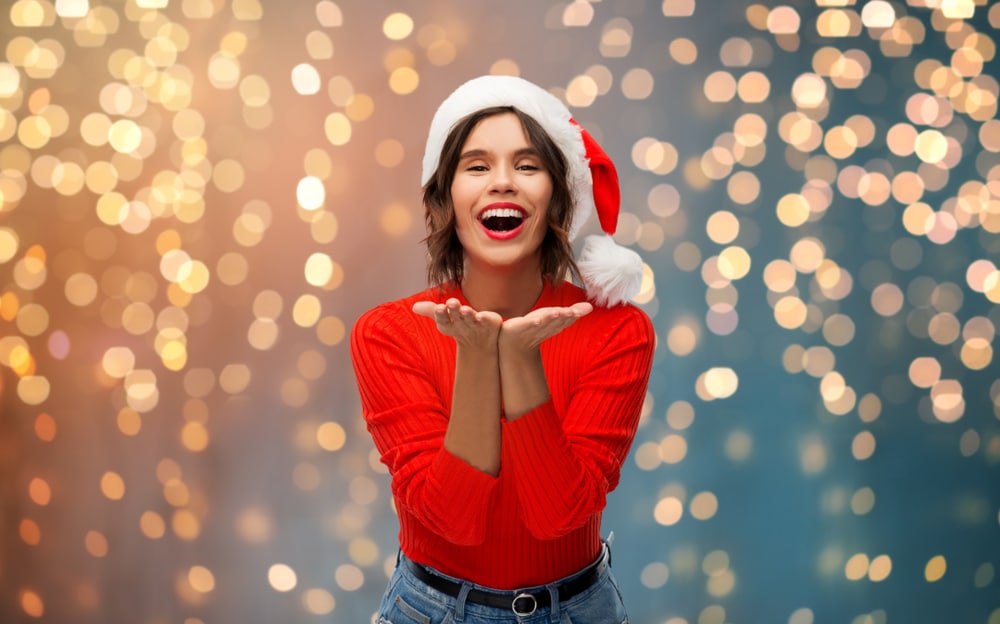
501, 193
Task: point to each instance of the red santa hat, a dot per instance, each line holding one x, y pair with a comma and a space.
612, 274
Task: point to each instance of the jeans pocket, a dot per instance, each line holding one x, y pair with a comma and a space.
601, 604
401, 612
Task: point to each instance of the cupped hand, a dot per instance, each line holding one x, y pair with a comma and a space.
529, 331
463, 323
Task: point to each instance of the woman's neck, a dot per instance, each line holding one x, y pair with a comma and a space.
509, 293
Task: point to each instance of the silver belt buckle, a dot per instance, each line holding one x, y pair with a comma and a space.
526, 610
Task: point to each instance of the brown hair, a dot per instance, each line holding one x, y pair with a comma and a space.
447, 258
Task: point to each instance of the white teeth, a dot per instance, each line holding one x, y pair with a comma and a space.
501, 212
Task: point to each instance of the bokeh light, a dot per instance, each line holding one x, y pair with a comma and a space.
198, 197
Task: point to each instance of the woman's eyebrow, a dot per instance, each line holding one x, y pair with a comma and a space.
475, 153
479, 153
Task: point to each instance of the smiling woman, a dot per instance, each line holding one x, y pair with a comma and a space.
504, 398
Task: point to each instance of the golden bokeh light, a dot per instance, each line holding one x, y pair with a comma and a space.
282, 577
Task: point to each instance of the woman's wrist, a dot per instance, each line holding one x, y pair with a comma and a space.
522, 380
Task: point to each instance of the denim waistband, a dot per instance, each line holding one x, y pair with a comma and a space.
521, 602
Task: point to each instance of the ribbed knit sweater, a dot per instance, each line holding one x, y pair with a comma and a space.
539, 519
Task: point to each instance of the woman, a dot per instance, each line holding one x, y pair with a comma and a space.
504, 398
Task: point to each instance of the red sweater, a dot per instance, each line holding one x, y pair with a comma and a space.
539, 519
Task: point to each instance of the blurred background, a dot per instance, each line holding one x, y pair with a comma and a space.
199, 197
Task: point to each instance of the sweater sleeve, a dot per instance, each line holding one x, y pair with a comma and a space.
407, 416
565, 464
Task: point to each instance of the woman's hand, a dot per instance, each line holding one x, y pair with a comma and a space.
516, 341
526, 333
468, 327
484, 329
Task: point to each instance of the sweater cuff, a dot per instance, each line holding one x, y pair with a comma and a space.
539, 435
454, 472
464, 495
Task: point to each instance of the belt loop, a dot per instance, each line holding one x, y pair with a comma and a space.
554, 595
607, 545
460, 602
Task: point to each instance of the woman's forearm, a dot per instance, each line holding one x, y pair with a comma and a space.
522, 381
473, 433
522, 375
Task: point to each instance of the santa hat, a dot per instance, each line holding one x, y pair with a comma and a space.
612, 274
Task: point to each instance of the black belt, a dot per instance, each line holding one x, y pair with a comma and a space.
520, 602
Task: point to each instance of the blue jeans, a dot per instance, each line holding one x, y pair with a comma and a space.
408, 600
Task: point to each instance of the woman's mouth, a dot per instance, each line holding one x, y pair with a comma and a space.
502, 222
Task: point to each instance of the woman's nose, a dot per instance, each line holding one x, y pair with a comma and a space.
503, 179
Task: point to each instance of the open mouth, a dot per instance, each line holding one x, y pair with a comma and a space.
502, 219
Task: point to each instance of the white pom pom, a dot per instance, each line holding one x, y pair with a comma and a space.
611, 273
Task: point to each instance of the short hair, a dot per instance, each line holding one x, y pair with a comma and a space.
447, 257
